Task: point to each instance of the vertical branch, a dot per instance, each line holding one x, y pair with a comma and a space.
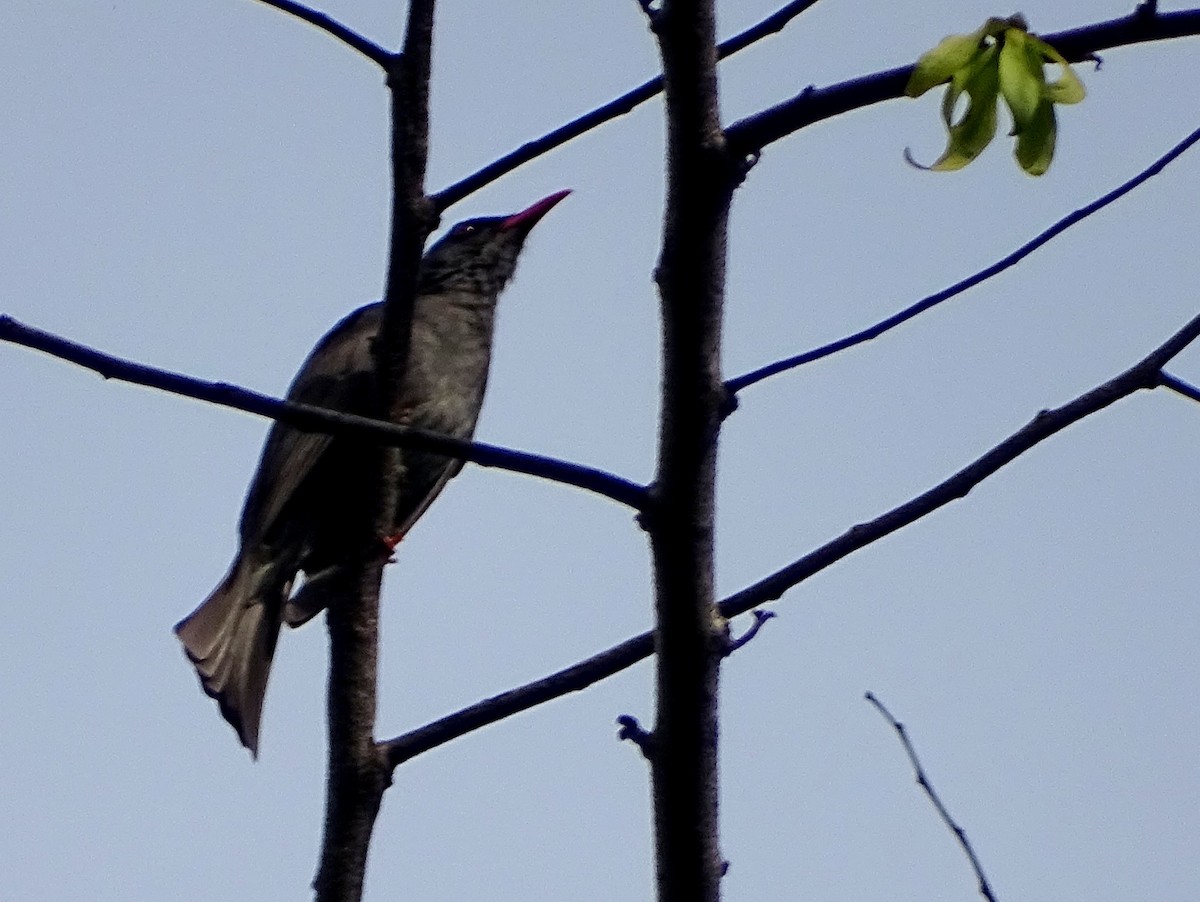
690, 635
358, 772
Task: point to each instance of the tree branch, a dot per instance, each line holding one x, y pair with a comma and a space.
358, 771
1145, 374
492, 710
318, 419
750, 135
985, 888
332, 27
891, 322
1178, 385
689, 638
619, 106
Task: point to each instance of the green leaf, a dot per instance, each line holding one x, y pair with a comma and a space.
1022, 78
938, 65
1002, 57
1035, 142
1069, 88
970, 135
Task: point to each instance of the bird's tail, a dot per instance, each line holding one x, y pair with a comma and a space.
230, 640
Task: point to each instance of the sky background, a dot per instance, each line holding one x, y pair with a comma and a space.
204, 187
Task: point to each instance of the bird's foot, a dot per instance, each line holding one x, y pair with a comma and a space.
388, 545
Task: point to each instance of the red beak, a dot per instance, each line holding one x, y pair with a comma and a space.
530, 215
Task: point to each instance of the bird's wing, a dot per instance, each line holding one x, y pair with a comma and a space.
406, 519
337, 375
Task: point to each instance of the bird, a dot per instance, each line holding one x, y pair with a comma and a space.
309, 486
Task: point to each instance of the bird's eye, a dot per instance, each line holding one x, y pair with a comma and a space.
465, 229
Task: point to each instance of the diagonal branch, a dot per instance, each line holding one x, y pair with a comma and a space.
750, 135
1012, 259
316, 419
1178, 385
1145, 374
619, 106
985, 888
492, 710
352, 39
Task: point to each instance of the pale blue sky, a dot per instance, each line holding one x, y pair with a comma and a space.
203, 186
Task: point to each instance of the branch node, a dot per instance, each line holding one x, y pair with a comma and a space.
632, 730
393, 70
1146, 10
729, 403
746, 163
648, 514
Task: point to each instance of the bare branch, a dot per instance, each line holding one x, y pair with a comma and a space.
1178, 385
353, 39
1146, 374
317, 419
985, 888
752, 134
885, 325
619, 106
467, 720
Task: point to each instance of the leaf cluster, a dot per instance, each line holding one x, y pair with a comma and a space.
1000, 59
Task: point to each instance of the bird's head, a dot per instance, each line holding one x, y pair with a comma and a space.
480, 255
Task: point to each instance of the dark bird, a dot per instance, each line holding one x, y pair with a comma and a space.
309, 486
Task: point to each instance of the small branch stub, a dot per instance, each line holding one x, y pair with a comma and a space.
632, 731
760, 617
652, 9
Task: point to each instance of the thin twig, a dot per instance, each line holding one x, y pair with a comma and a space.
985, 888
1178, 385
619, 106
317, 419
745, 381
350, 38
1145, 374
760, 617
